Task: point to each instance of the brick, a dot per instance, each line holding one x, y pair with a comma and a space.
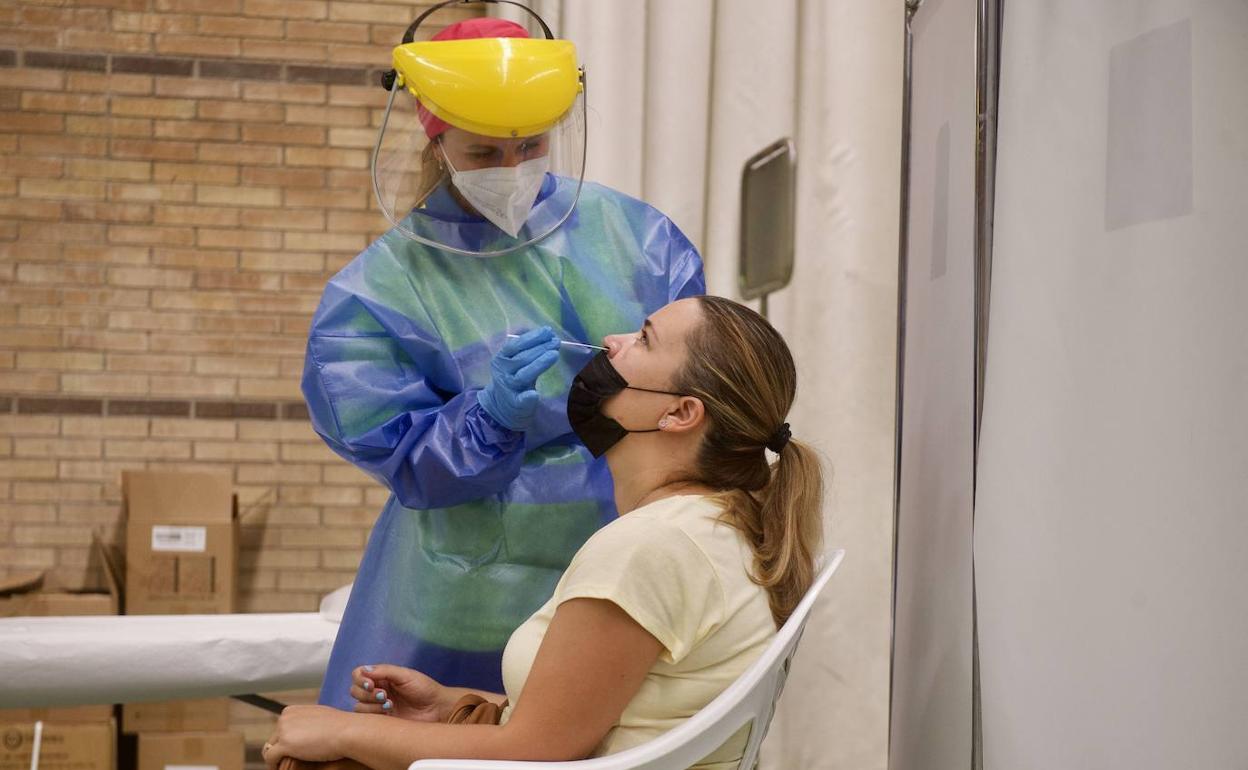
190, 429
252, 560
32, 534
315, 580
195, 172
276, 219
240, 239
141, 319
181, 129
129, 170
223, 302
113, 255
317, 537
63, 17
326, 116
92, 515
35, 424
246, 111
235, 410
280, 50
153, 150
274, 602
95, 470
32, 338
133, 85
97, 40
93, 125
297, 73
346, 474
321, 495
31, 511
239, 365
240, 26
284, 134
321, 31
27, 469
329, 199
199, 6
302, 282
163, 236
111, 427
38, 101
25, 208
284, 177
105, 340
257, 388
350, 179
305, 93
325, 157
122, 449
236, 452
60, 360
217, 279
60, 188
63, 491
196, 215
65, 61
240, 196
63, 145
195, 45
172, 193
197, 88
240, 324
367, 55
60, 274
324, 242
162, 23
153, 108
150, 276
49, 80
61, 448
343, 559
241, 153
29, 382
33, 558
122, 5
125, 384
364, 12
24, 123
93, 211
358, 138
183, 386
196, 258
150, 362
357, 221
287, 9
62, 232
57, 316
234, 70
285, 473
153, 407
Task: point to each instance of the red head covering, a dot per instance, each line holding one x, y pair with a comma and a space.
469, 29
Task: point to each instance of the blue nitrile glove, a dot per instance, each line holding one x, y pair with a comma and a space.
510, 398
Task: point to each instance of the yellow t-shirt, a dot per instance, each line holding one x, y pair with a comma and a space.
684, 577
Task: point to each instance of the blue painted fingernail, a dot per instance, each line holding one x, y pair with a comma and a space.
387, 705
381, 695
368, 685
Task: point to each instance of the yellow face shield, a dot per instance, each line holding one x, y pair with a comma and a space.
481, 149
501, 87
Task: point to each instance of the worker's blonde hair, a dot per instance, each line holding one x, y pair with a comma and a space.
741, 369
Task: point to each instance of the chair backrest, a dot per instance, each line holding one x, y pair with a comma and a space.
752, 698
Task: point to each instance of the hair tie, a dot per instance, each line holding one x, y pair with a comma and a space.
779, 438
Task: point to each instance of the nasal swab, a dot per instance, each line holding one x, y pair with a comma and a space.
569, 342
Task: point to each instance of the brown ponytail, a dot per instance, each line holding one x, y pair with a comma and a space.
741, 369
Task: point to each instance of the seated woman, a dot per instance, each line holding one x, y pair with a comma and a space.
661, 609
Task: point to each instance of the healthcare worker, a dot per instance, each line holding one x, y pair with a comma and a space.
434, 360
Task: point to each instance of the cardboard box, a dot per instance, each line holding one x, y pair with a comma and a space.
61, 747
59, 715
203, 751
181, 543
57, 592
208, 715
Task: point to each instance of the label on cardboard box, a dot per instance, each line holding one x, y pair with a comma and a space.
184, 539
221, 750
61, 747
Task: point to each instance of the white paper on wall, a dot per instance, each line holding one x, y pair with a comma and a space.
1112, 506
931, 696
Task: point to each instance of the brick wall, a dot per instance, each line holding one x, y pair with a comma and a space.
180, 178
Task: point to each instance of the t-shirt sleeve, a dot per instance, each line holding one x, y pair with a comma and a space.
657, 574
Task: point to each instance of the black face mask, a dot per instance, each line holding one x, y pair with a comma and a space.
596, 383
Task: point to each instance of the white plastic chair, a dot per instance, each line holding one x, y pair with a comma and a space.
752, 697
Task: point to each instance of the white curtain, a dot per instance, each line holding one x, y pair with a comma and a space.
680, 95
1112, 507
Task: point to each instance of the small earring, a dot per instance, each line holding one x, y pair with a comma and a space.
663, 423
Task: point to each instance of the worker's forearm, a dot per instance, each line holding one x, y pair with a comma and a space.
386, 743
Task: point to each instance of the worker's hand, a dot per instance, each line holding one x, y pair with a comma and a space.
511, 398
305, 732
403, 692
